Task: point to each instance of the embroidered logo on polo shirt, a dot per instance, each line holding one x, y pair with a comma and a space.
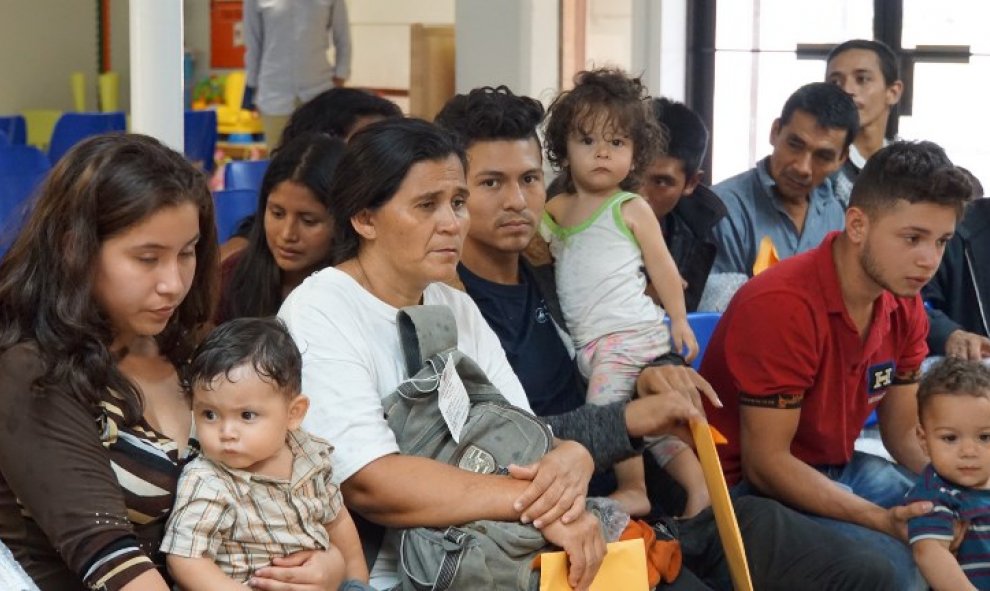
878, 378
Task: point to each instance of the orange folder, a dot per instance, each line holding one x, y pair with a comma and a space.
705, 437
766, 256
624, 568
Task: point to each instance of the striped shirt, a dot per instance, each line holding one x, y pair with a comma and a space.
243, 520
147, 466
955, 503
84, 494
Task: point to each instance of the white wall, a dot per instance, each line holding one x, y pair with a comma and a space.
196, 14
511, 42
120, 48
659, 46
42, 42
380, 37
609, 34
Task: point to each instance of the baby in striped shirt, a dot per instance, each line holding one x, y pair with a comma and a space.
262, 488
954, 413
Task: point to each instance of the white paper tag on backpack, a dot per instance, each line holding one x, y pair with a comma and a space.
453, 400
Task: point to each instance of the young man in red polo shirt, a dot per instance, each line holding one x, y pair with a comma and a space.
807, 349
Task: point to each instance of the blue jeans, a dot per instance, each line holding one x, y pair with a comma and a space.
880, 482
352, 585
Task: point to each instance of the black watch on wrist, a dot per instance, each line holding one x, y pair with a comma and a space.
669, 358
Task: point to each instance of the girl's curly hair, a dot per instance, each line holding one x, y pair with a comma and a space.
625, 103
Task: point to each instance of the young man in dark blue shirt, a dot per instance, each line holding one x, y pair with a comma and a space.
518, 298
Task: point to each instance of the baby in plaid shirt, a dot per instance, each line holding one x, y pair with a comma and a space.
262, 488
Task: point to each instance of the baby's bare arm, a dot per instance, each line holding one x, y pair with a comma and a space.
663, 273
939, 566
343, 535
200, 574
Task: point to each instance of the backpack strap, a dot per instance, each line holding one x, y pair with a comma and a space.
425, 331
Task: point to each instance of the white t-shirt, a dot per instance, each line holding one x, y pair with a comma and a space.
352, 359
601, 279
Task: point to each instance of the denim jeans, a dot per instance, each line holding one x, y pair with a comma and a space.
882, 483
352, 585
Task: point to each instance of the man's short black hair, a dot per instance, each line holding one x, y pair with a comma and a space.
262, 343
889, 69
917, 172
687, 136
885, 55
491, 113
831, 107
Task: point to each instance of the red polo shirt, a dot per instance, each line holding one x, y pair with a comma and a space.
787, 332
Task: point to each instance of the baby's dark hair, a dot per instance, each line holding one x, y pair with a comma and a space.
264, 343
625, 104
953, 377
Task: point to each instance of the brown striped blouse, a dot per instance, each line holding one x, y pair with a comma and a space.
83, 496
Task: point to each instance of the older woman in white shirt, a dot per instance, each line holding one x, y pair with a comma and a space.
400, 221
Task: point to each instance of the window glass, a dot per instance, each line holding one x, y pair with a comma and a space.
750, 91
756, 67
955, 22
779, 25
949, 100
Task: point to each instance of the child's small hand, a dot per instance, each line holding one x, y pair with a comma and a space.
684, 339
303, 571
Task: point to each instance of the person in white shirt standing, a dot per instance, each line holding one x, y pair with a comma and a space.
867, 71
286, 57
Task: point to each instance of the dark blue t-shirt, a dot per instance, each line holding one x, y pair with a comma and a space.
953, 504
519, 316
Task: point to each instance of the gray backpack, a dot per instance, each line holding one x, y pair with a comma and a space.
482, 554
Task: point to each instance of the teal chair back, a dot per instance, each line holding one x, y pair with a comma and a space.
22, 169
703, 324
232, 206
15, 128
244, 174
201, 137
72, 128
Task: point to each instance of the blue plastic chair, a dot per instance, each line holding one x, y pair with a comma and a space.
703, 324
232, 206
244, 174
21, 170
72, 128
4, 140
201, 138
15, 128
